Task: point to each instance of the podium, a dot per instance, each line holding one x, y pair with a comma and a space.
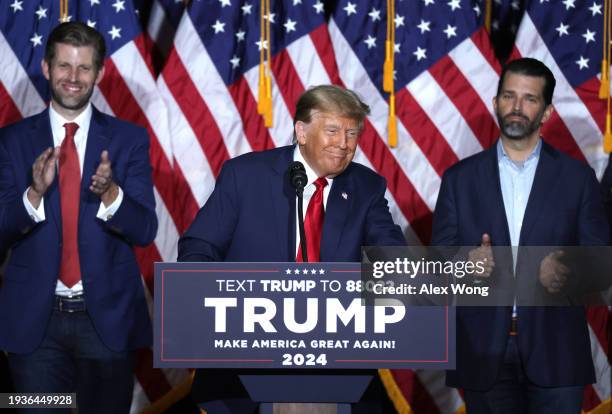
289, 333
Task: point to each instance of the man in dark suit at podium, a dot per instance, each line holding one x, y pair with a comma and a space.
252, 215
521, 192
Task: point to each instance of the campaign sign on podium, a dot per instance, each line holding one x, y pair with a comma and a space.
290, 315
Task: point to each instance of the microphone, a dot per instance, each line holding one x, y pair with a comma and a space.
298, 179
297, 176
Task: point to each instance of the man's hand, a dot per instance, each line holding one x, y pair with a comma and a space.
43, 174
102, 182
484, 254
553, 273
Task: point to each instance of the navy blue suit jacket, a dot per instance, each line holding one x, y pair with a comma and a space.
564, 208
250, 216
111, 278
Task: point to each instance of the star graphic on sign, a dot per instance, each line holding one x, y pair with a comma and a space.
41, 12
313, 272
115, 32
595, 8
350, 8
321, 271
36, 40
246, 8
399, 20
296, 271
290, 25
235, 61
265, 44
477, 10
562, 29
569, 4
396, 48
424, 26
119, 5
240, 35
17, 5
370, 41
94, 2
305, 271
589, 36
288, 271
428, 2
454, 4
225, 3
319, 7
374, 14
218, 27
583, 63
450, 31
91, 24
420, 53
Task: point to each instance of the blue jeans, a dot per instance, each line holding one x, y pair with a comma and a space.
513, 393
72, 358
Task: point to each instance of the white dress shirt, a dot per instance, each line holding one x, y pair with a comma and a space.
309, 190
80, 140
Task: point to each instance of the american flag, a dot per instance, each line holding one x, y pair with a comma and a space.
567, 36
445, 77
128, 91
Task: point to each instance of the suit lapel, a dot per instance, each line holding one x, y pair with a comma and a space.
98, 139
494, 202
283, 204
545, 174
339, 204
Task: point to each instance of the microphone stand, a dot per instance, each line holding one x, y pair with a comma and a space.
300, 196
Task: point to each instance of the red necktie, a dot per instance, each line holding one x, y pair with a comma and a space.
313, 224
70, 188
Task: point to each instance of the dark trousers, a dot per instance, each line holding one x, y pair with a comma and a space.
72, 358
513, 393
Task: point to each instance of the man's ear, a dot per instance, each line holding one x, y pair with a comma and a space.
547, 113
100, 75
300, 132
44, 65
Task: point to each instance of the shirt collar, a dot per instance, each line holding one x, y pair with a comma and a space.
82, 120
535, 154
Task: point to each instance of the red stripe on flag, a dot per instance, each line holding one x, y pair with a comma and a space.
555, 132
323, 45
600, 321
425, 134
414, 392
146, 257
184, 197
588, 93
152, 380
253, 124
146, 46
196, 112
9, 112
590, 399
482, 40
123, 103
466, 100
408, 200
287, 79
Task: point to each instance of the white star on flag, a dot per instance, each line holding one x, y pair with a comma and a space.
424, 26
36, 40
115, 32
41, 12
370, 41
290, 25
119, 5
350, 8
420, 53
218, 27
374, 14
583, 63
17, 5
450, 31
562, 29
